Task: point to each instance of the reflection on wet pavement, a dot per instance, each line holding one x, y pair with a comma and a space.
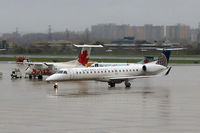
167, 104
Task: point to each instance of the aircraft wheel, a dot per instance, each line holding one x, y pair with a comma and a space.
112, 84
40, 77
55, 86
30, 76
127, 84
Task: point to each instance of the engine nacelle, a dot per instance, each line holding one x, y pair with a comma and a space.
144, 68
153, 68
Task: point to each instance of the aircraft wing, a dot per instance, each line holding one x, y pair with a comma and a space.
88, 46
124, 78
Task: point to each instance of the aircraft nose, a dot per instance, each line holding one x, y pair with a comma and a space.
49, 78
52, 78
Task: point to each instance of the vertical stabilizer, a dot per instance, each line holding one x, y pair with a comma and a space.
84, 56
163, 59
85, 53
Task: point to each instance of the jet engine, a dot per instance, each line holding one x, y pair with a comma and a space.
144, 68
153, 68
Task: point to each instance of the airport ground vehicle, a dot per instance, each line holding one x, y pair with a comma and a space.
16, 73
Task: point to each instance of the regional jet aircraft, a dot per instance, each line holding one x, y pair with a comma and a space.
115, 74
43, 68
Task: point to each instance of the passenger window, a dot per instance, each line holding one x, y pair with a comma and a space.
123, 70
79, 72
115, 70
136, 69
119, 70
60, 72
126, 70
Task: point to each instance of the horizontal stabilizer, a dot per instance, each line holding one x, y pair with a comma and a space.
170, 49
88, 46
168, 71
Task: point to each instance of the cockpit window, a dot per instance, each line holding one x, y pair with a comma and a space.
65, 72
60, 71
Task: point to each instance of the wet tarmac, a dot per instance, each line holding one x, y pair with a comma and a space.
159, 105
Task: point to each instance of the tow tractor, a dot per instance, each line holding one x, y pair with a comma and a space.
16, 73
1, 74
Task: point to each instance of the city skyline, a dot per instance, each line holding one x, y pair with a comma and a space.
35, 16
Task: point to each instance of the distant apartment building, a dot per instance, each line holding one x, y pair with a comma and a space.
194, 35
149, 33
110, 31
178, 33
113, 32
104, 31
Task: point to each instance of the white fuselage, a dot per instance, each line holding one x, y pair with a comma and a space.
105, 73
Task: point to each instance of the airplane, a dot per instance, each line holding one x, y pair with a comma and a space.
146, 59
47, 68
115, 74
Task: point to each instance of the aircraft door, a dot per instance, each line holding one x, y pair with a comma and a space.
71, 74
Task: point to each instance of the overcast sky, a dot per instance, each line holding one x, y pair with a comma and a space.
36, 15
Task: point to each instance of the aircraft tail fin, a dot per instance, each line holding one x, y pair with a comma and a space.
163, 59
85, 53
146, 59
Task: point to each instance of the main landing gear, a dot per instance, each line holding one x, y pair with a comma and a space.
127, 84
40, 77
34, 76
111, 84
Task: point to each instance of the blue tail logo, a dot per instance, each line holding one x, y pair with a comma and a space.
164, 58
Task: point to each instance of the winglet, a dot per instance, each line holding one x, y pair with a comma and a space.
168, 71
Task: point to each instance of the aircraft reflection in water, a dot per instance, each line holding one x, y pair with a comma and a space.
116, 74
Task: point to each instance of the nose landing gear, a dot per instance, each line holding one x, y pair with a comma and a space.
55, 86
